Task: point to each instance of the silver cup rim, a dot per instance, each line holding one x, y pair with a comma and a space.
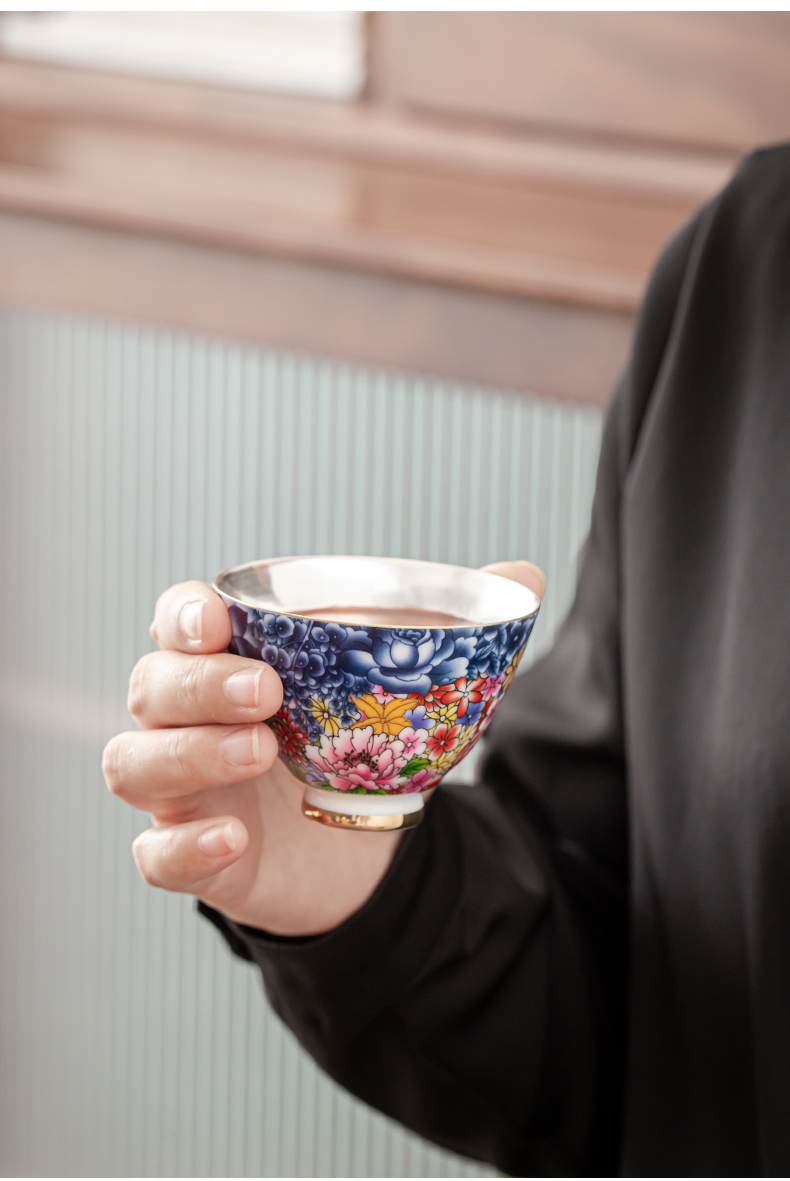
456, 576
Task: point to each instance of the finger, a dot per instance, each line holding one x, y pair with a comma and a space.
173, 689
148, 767
191, 617
521, 571
182, 857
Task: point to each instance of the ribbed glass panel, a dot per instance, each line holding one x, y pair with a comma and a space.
131, 1042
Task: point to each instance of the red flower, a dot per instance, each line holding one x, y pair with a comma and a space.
464, 692
290, 738
443, 739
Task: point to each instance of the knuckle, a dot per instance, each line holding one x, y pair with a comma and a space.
138, 685
161, 604
143, 862
150, 861
193, 682
112, 762
179, 750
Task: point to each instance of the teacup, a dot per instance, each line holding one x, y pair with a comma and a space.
391, 671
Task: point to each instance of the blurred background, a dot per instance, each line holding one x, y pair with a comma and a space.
282, 283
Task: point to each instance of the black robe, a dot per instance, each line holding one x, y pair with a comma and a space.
582, 965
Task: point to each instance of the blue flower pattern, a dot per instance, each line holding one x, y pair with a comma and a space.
333, 661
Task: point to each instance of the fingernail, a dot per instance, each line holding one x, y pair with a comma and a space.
241, 747
219, 841
242, 687
190, 619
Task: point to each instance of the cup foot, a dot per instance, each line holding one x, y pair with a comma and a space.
362, 813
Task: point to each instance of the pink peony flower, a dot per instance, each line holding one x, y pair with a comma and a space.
360, 758
424, 779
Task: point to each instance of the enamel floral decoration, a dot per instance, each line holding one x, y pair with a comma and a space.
376, 710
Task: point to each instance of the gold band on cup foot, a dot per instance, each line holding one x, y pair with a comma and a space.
362, 813
361, 823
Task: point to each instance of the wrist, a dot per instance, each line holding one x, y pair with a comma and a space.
346, 870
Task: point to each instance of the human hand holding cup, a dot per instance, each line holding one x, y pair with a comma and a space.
228, 825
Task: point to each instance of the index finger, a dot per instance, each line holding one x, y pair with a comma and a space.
191, 617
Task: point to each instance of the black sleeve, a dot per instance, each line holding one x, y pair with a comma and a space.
478, 997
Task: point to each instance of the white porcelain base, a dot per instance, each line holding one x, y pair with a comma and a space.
365, 813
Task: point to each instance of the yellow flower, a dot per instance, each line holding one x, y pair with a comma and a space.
322, 713
386, 717
445, 761
467, 735
511, 671
443, 715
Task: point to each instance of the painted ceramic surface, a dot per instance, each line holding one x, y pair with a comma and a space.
379, 710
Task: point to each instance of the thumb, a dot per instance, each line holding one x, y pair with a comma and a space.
182, 857
521, 571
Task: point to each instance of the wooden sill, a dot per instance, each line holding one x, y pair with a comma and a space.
351, 186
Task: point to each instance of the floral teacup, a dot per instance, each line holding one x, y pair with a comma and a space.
374, 715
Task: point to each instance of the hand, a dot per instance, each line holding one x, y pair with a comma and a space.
226, 813
524, 572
